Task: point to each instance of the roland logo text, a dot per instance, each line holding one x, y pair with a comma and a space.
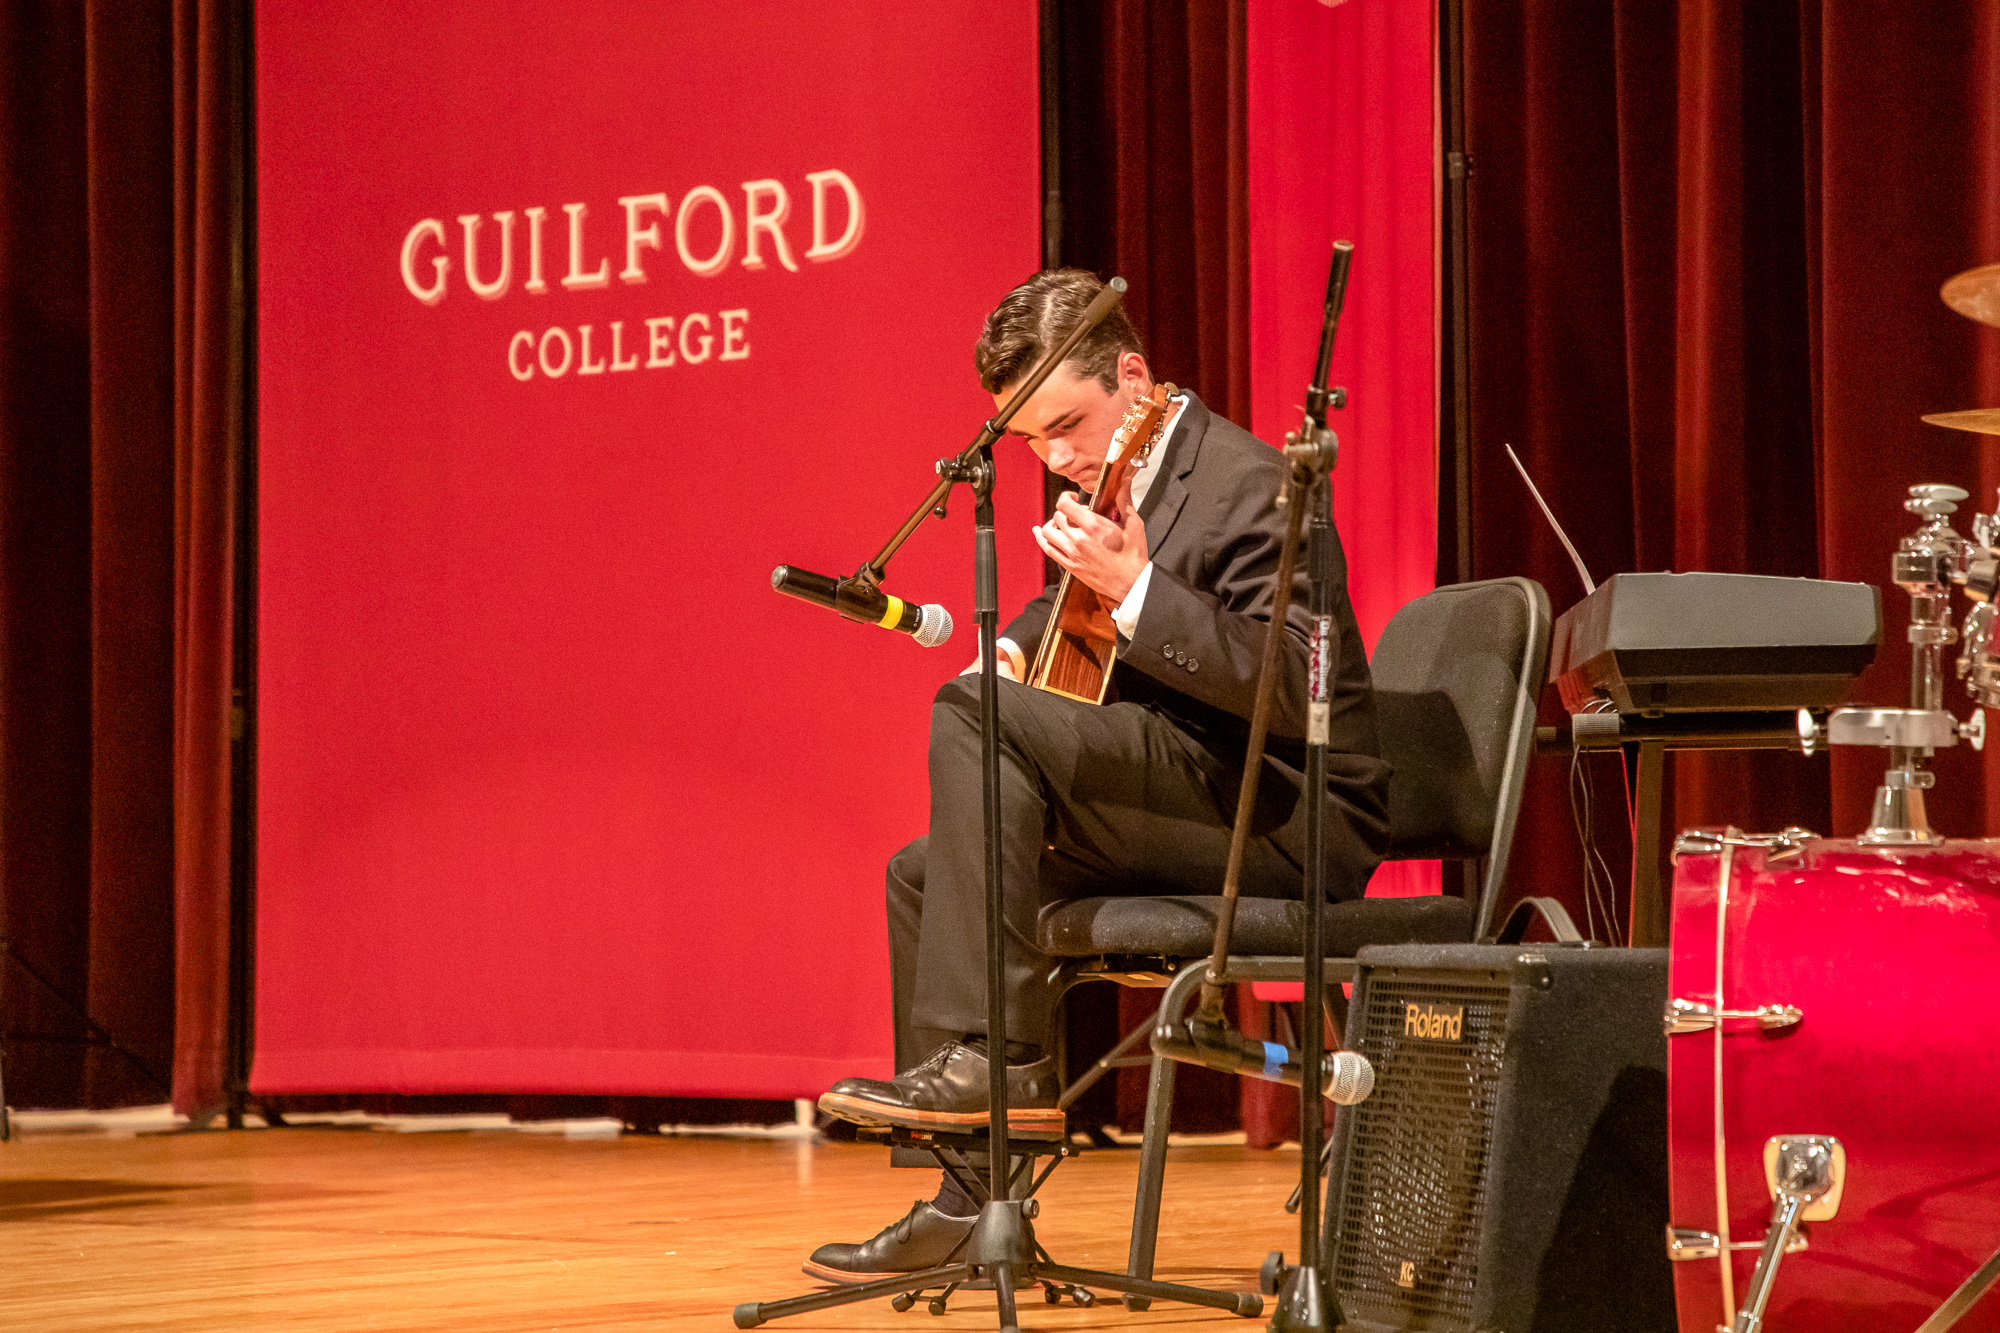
1434, 1022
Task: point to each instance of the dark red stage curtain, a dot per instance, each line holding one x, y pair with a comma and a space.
117, 420
211, 305
1706, 243
1155, 189
1154, 179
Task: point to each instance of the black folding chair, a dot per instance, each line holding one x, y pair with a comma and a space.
1457, 673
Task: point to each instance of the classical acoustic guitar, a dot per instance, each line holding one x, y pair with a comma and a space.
1081, 644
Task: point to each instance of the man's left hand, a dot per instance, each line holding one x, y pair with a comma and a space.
1106, 555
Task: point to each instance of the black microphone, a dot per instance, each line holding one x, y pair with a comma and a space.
929, 625
1347, 1077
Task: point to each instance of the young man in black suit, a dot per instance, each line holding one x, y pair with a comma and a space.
1134, 796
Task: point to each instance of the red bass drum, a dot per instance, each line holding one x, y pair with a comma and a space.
1855, 987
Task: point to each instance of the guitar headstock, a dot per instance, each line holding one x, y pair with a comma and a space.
1142, 424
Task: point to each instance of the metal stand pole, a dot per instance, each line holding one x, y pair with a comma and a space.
1304, 1300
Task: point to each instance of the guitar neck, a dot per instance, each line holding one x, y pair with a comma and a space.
1110, 483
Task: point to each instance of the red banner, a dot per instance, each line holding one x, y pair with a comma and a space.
573, 322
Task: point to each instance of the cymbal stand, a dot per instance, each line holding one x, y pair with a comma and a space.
1927, 563
1002, 1248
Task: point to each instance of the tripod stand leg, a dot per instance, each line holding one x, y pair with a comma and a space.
752, 1313
1236, 1302
1003, 1291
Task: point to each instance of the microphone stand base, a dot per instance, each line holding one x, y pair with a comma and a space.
1003, 1229
1302, 1304
1003, 1256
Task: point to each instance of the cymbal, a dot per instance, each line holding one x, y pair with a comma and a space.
1982, 420
1975, 294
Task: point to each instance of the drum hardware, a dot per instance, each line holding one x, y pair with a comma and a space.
1960, 1301
1684, 1244
1684, 1016
1926, 565
1708, 842
1908, 728
1805, 1169
1825, 1207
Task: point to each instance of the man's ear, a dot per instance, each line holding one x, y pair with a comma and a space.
1133, 373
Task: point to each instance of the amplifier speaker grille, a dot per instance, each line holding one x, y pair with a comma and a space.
1509, 1174
1414, 1202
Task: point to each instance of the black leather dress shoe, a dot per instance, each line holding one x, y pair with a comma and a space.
948, 1092
925, 1238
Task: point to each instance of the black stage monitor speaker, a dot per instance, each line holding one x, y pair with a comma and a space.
1509, 1172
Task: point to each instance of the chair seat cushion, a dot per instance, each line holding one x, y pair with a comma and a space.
1184, 927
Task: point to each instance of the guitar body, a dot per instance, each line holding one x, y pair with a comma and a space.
1080, 648
1081, 644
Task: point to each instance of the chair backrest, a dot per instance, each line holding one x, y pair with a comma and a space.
1457, 673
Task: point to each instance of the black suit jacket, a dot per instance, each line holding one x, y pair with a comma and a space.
1214, 533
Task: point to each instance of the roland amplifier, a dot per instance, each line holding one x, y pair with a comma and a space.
1509, 1172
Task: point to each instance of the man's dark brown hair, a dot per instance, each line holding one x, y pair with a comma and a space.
1036, 316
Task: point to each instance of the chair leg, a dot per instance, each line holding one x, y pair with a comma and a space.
1336, 1016
1152, 1168
1113, 1059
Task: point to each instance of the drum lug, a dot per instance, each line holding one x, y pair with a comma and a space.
1708, 842
1685, 1243
1685, 1016
1789, 842
1697, 842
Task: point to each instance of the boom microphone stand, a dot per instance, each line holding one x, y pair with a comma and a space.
1305, 1299
1306, 1303
1002, 1248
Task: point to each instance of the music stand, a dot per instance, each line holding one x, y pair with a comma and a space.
1002, 1247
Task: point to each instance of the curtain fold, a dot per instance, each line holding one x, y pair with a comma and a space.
129, 231
209, 265
113, 468
1706, 246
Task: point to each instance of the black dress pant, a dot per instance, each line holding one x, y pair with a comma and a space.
1095, 800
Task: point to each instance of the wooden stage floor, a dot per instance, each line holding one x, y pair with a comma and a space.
351, 1229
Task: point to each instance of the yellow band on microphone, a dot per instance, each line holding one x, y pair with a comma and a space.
893, 614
